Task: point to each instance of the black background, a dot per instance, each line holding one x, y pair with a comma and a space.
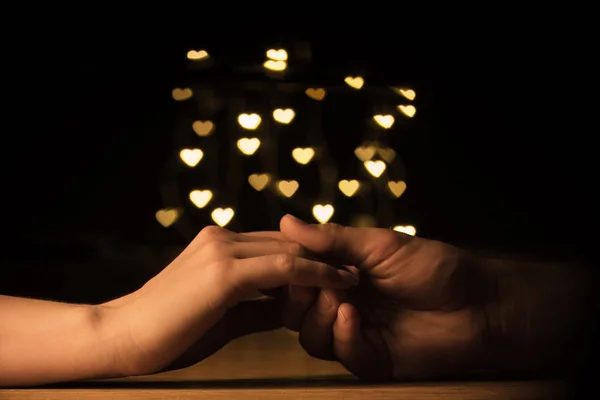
501, 158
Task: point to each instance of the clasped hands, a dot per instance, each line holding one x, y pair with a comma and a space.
384, 304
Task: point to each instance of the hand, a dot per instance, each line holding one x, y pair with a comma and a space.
194, 306
418, 312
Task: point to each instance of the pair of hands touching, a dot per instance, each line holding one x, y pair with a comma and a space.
384, 304
396, 306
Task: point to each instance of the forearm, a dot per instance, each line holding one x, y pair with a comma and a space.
542, 315
44, 342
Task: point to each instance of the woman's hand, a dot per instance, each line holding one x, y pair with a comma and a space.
167, 323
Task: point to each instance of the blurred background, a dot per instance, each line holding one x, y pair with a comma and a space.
478, 142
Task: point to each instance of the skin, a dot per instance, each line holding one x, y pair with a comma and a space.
182, 315
419, 309
425, 309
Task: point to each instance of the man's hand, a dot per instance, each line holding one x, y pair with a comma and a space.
419, 310
425, 309
194, 306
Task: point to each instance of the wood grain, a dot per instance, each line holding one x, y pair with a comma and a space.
272, 365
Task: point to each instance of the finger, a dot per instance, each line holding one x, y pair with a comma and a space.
264, 248
276, 235
342, 244
316, 335
275, 270
357, 352
296, 303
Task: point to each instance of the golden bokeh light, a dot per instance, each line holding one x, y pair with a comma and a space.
180, 94
287, 188
249, 121
385, 121
387, 153
355, 82
365, 153
407, 229
203, 128
191, 157
303, 155
375, 168
273, 65
349, 187
284, 116
200, 198
407, 93
323, 212
397, 188
259, 181
248, 146
197, 55
277, 55
167, 216
409, 111
363, 221
222, 216
316, 94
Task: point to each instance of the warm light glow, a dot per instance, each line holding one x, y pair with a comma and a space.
284, 116
249, 121
222, 216
168, 216
397, 188
303, 155
387, 154
273, 65
375, 168
355, 82
323, 212
200, 198
191, 156
287, 188
259, 181
349, 188
197, 55
316, 94
407, 229
277, 55
182, 94
409, 111
248, 146
203, 128
365, 153
385, 121
409, 94
363, 221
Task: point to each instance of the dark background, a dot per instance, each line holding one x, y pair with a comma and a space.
500, 159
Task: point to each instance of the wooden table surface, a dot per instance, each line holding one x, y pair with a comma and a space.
272, 366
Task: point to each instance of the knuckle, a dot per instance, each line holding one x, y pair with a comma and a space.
286, 263
217, 247
212, 231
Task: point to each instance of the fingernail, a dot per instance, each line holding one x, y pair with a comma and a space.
349, 278
296, 219
341, 312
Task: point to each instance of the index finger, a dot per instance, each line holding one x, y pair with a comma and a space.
276, 235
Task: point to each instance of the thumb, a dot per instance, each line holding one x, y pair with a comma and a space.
343, 244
